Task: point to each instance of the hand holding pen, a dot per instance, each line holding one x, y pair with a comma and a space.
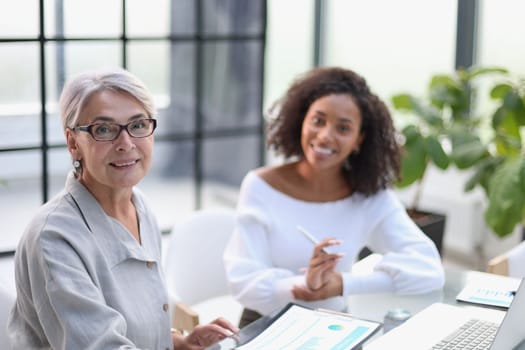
324, 243
322, 262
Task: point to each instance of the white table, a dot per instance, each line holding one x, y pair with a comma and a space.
375, 306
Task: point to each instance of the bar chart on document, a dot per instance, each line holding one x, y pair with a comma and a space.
306, 329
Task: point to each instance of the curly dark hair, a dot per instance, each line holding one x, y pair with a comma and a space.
377, 165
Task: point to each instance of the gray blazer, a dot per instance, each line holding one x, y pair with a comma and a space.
83, 282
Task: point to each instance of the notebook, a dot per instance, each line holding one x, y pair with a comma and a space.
498, 294
438, 321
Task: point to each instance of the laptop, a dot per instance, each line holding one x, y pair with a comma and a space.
440, 323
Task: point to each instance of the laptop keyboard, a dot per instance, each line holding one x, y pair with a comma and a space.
473, 335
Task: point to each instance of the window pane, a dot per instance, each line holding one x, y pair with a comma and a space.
20, 194
150, 62
92, 18
501, 35
19, 19
54, 70
181, 111
183, 17
60, 164
232, 85
233, 16
147, 17
50, 18
289, 45
173, 159
23, 131
55, 75
169, 185
89, 56
218, 154
19, 86
55, 132
395, 45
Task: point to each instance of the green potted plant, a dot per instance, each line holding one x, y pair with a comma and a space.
501, 170
441, 129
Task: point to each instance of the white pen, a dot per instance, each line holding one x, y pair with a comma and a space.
309, 236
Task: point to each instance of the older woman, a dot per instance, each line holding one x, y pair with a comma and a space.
88, 270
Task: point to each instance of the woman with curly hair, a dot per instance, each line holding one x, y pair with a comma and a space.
340, 143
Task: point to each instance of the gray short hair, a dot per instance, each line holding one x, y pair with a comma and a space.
80, 88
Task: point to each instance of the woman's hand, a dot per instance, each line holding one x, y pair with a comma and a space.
322, 281
205, 335
322, 264
333, 287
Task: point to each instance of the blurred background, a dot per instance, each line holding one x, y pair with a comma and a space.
214, 67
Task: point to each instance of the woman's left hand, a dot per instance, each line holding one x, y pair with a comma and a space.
333, 287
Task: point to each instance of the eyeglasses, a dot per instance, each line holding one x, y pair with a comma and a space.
110, 131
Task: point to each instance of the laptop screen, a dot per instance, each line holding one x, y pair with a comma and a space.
512, 330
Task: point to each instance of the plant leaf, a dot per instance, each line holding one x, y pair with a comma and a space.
445, 91
402, 102
477, 71
483, 173
427, 114
506, 197
514, 103
499, 91
413, 161
468, 153
508, 136
436, 153
411, 132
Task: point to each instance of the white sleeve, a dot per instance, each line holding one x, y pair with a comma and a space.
411, 263
253, 279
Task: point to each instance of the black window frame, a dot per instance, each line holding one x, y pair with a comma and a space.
198, 136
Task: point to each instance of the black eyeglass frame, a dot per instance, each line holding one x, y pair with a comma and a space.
89, 129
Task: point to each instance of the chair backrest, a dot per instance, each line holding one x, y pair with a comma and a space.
498, 265
193, 263
510, 263
7, 301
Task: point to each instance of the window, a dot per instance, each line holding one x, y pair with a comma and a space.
393, 44
203, 61
501, 31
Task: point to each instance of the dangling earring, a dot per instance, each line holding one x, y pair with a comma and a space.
77, 168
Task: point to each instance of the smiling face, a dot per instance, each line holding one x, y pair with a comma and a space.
117, 164
331, 131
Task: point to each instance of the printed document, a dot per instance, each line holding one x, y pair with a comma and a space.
301, 328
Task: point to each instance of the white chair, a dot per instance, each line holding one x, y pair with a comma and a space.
510, 263
195, 272
7, 301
